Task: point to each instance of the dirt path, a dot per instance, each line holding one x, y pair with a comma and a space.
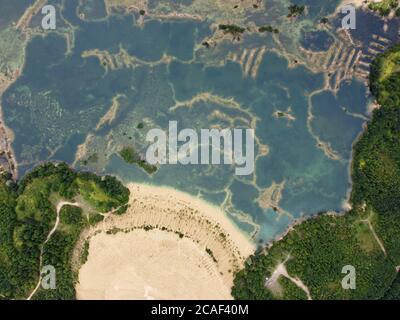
380, 243
281, 270
59, 207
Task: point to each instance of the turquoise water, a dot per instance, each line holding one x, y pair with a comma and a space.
317, 40
60, 98
92, 9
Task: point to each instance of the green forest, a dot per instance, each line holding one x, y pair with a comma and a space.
367, 237
28, 213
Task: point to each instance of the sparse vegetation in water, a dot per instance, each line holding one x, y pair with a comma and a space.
93, 158
268, 28
206, 44
232, 29
131, 156
295, 10
324, 20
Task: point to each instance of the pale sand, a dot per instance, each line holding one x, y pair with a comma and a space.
356, 3
149, 265
139, 264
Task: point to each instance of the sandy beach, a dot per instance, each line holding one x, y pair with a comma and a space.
168, 245
357, 3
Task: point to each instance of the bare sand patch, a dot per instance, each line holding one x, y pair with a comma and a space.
149, 265
109, 117
271, 196
169, 245
280, 270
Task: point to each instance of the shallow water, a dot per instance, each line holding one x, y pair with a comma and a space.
11, 10
60, 98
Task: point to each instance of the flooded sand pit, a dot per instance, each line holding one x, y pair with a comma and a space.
143, 81
169, 245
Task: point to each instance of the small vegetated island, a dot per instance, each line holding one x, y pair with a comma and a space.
268, 28
234, 30
131, 156
307, 262
295, 10
41, 218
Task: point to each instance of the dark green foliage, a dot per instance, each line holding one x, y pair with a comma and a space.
385, 78
122, 209
394, 291
249, 282
28, 213
318, 250
140, 125
57, 253
295, 10
268, 28
85, 252
377, 163
71, 215
324, 20
15, 269
113, 188
103, 193
131, 156
232, 29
